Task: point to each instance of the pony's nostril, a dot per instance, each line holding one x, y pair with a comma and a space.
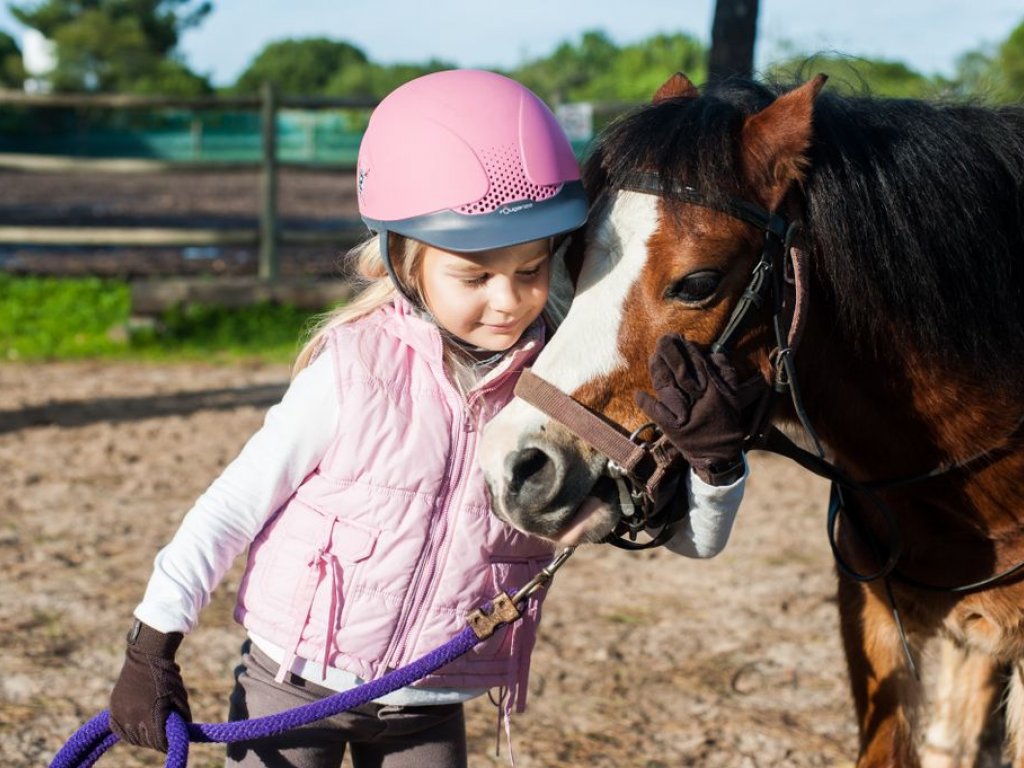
530, 469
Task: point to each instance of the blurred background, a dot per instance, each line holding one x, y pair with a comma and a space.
176, 194
149, 142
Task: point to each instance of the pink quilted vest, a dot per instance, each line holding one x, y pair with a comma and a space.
383, 550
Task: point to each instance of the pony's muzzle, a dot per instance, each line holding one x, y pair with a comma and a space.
534, 477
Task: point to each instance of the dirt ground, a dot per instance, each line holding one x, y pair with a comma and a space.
645, 659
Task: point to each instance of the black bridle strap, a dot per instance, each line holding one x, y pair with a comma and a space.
766, 278
650, 183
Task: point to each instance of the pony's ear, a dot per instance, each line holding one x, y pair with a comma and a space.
775, 142
676, 87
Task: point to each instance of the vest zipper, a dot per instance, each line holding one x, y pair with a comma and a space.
429, 558
414, 602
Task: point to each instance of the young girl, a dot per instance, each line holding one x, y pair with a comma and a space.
368, 528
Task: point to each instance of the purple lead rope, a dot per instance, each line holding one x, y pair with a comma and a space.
94, 738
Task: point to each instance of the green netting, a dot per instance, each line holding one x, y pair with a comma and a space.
302, 136
306, 136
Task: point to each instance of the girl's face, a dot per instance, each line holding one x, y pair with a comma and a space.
487, 299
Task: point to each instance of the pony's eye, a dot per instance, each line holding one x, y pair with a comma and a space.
696, 286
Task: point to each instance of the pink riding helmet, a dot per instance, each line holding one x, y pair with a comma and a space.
467, 160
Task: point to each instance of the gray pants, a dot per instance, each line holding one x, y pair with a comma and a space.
379, 735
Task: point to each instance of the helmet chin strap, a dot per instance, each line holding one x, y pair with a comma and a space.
385, 255
480, 353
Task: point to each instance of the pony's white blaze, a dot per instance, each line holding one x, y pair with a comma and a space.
585, 345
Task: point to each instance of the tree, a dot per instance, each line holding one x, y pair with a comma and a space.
376, 81
855, 75
596, 69
118, 45
636, 71
12, 73
301, 66
733, 33
560, 76
1010, 63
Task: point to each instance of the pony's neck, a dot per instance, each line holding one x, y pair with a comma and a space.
888, 414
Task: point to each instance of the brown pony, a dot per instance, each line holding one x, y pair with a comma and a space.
867, 257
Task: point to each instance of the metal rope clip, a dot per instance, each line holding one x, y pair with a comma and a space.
504, 608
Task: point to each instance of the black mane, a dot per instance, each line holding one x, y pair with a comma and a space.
913, 211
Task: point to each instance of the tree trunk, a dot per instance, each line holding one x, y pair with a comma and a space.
732, 39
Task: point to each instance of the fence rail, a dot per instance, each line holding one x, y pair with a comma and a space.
268, 236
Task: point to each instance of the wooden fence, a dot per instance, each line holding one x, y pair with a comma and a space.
267, 236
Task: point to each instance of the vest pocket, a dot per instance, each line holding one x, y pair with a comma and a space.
352, 542
288, 558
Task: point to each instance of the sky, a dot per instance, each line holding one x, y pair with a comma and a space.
928, 35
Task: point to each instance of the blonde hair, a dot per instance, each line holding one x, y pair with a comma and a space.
376, 289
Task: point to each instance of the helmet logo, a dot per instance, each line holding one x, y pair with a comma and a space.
506, 210
361, 181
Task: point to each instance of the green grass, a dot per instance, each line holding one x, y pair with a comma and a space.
44, 318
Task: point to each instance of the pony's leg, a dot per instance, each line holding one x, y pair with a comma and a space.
884, 690
963, 731
1015, 715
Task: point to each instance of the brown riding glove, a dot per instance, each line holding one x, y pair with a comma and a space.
699, 404
150, 686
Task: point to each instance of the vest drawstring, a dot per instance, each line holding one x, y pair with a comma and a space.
330, 563
322, 563
504, 713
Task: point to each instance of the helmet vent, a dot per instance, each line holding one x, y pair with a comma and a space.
508, 181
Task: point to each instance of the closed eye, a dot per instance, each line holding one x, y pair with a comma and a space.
694, 287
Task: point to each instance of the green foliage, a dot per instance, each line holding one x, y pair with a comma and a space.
12, 73
123, 46
595, 69
376, 81
263, 329
319, 66
300, 66
55, 318
170, 76
42, 317
976, 77
852, 75
1010, 64
160, 22
567, 71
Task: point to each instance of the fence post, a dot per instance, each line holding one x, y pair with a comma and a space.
268, 266
196, 136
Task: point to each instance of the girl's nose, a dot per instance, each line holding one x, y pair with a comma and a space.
503, 296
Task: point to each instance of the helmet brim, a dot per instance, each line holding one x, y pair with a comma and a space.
510, 224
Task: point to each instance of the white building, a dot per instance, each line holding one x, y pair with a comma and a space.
39, 57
